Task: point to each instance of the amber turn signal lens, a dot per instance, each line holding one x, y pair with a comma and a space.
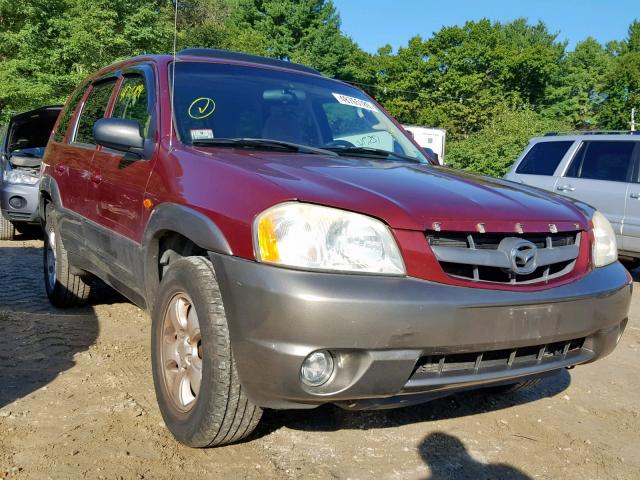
267, 240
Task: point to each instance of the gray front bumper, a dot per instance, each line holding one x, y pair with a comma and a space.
26, 214
379, 327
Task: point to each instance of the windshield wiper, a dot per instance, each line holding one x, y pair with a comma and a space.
372, 153
261, 144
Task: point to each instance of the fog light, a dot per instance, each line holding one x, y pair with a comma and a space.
317, 368
17, 202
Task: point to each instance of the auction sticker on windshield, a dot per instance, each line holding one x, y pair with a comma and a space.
355, 102
202, 134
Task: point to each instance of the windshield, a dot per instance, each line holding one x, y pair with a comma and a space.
218, 101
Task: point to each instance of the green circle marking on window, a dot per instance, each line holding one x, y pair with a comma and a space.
201, 108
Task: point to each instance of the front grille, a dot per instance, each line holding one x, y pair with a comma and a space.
485, 256
433, 366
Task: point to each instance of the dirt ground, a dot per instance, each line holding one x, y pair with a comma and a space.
77, 401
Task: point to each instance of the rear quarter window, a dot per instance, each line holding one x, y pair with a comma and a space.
67, 113
543, 158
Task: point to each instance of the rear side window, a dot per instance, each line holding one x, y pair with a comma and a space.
94, 109
543, 158
132, 102
67, 113
603, 161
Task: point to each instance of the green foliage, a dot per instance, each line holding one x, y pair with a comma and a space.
491, 85
460, 77
492, 150
622, 83
576, 93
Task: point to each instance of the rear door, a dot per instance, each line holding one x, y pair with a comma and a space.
70, 155
631, 223
540, 163
83, 145
599, 175
65, 158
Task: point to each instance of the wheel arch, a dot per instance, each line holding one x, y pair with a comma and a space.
195, 232
49, 193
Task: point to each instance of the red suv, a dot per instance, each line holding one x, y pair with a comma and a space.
295, 247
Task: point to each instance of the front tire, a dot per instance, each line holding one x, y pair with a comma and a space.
7, 229
199, 393
64, 288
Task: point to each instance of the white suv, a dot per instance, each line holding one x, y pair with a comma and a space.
599, 168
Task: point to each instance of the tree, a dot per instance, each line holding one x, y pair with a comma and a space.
461, 77
622, 83
303, 31
47, 47
28, 33
576, 94
492, 150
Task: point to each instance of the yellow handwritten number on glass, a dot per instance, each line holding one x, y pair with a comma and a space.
201, 108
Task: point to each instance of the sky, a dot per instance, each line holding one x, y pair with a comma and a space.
374, 23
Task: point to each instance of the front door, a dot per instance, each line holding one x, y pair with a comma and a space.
118, 184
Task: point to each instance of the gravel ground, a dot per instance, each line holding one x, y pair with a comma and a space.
77, 400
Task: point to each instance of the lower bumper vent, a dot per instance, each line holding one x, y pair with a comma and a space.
494, 360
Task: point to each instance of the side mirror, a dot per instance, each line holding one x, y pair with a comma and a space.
119, 134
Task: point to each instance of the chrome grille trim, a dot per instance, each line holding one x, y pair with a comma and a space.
477, 257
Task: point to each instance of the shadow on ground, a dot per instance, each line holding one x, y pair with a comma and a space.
37, 341
445, 455
448, 459
330, 418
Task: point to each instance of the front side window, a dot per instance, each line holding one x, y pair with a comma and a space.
543, 158
94, 109
601, 160
132, 103
215, 102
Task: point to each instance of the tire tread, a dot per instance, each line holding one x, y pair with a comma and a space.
233, 416
70, 290
7, 229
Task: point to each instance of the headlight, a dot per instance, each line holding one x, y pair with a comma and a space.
312, 237
19, 177
605, 249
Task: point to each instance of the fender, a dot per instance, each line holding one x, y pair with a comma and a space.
49, 185
191, 224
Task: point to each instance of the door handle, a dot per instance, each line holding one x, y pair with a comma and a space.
635, 195
565, 188
96, 179
61, 169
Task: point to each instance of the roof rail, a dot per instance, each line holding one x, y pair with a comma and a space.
245, 57
593, 132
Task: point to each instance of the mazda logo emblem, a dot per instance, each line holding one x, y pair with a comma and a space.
523, 257
521, 253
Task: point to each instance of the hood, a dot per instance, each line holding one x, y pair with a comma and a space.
413, 196
28, 134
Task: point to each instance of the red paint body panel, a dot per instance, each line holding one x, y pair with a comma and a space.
232, 187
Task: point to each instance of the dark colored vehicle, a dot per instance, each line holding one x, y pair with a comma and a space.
22, 150
296, 248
